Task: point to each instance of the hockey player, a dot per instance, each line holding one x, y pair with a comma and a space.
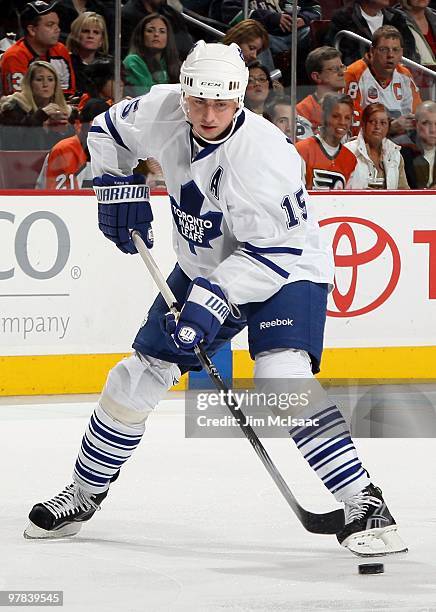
247, 242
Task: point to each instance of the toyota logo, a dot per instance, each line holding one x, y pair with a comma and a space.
357, 261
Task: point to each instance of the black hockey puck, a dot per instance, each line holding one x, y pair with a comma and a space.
371, 568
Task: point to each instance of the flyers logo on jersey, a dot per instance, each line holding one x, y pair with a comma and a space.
372, 93
327, 179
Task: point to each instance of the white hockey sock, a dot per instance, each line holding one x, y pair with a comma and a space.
106, 445
327, 446
330, 451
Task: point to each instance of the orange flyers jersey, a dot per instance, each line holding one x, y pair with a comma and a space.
311, 110
323, 171
66, 167
16, 59
400, 96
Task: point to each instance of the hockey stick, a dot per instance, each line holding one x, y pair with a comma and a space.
330, 522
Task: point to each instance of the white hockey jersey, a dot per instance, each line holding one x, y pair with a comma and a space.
241, 216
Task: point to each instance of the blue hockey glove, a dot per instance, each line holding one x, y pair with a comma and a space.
123, 206
201, 317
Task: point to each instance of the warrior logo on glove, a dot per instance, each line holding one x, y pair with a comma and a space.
123, 206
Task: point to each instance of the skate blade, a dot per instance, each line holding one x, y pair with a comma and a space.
376, 542
33, 532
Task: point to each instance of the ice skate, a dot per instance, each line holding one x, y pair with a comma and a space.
63, 515
370, 529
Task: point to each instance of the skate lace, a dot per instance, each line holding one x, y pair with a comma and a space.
357, 506
69, 501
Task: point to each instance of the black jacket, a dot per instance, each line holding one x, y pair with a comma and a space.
132, 13
265, 11
350, 18
416, 166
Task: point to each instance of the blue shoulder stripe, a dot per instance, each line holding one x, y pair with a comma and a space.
255, 249
268, 263
113, 130
98, 129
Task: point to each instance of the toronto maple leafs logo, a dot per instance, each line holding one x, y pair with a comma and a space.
197, 229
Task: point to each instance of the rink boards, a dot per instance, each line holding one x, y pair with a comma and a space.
70, 303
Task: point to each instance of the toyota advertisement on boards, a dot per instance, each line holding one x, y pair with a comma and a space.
385, 258
64, 289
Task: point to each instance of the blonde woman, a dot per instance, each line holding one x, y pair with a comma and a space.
40, 103
87, 41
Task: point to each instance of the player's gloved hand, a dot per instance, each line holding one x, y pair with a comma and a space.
123, 206
201, 317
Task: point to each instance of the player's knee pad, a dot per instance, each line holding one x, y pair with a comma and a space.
285, 375
135, 386
283, 363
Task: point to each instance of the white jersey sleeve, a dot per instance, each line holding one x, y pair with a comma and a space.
131, 130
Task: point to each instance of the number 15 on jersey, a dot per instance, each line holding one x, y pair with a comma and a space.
295, 208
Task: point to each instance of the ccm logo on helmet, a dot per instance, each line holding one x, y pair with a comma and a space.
211, 84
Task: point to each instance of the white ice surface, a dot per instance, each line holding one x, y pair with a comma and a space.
198, 525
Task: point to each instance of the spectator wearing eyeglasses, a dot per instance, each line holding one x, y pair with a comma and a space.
259, 88
325, 68
326, 163
379, 161
380, 77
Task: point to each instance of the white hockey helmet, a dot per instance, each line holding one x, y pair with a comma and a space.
214, 71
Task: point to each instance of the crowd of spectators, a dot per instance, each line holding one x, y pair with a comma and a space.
363, 119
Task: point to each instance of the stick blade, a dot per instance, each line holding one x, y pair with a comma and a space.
328, 523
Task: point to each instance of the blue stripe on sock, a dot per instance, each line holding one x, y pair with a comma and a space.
342, 452
315, 416
111, 440
312, 429
361, 473
89, 477
91, 470
328, 441
100, 458
91, 448
328, 451
341, 467
340, 478
319, 432
115, 431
